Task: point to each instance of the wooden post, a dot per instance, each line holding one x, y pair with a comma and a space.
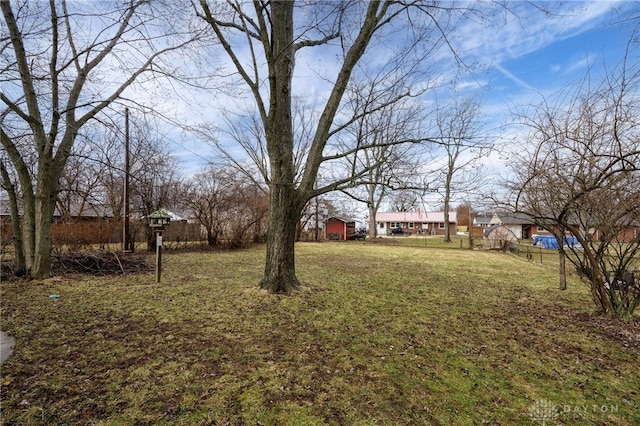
126, 233
158, 254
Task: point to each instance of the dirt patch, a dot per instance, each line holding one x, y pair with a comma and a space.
613, 329
558, 319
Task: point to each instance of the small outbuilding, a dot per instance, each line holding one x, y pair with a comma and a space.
498, 237
519, 224
339, 228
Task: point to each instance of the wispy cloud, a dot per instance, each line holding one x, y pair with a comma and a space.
513, 78
524, 29
579, 63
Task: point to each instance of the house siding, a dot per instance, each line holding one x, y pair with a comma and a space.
417, 223
339, 229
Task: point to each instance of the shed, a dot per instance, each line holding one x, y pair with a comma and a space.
339, 228
498, 237
520, 224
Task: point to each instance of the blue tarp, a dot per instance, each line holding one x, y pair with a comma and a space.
549, 242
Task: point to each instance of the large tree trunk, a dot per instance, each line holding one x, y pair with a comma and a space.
41, 267
28, 231
20, 264
372, 206
280, 268
597, 284
27, 224
45, 198
447, 231
373, 230
285, 208
286, 200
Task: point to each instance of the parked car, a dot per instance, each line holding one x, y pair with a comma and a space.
398, 231
360, 234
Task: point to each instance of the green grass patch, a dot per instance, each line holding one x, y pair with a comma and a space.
383, 334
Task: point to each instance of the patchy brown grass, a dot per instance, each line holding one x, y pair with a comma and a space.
378, 335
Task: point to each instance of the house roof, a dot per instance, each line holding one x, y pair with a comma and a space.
419, 216
482, 220
341, 219
511, 219
87, 210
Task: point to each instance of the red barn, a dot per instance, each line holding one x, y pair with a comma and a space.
338, 228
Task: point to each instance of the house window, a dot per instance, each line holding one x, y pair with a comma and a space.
441, 225
411, 225
395, 225
381, 225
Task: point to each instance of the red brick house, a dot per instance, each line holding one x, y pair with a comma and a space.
418, 222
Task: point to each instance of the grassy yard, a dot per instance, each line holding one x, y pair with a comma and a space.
381, 334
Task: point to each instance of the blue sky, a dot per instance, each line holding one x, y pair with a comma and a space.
556, 52
525, 54
563, 60
540, 57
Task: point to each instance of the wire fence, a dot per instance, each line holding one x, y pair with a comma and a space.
523, 249
535, 254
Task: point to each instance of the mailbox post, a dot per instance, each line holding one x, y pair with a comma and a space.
158, 220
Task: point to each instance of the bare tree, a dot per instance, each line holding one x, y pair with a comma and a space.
269, 34
247, 210
202, 198
247, 131
404, 200
155, 183
59, 74
458, 131
79, 189
391, 163
581, 179
466, 214
231, 208
10, 188
105, 158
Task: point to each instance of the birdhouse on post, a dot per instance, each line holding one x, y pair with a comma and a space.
159, 219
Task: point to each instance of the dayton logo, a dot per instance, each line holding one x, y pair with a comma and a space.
543, 411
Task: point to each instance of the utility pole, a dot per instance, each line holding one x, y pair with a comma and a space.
126, 233
470, 226
317, 230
